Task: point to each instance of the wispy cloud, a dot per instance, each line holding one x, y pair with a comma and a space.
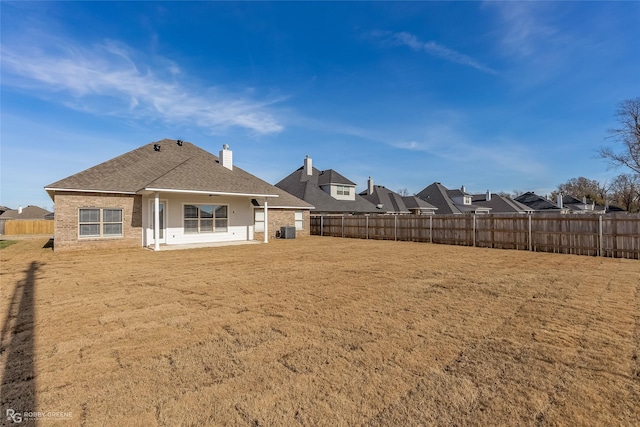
432, 48
112, 78
525, 26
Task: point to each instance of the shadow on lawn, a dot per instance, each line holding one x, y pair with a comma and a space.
18, 387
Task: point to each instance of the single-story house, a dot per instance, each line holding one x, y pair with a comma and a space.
390, 202
327, 190
169, 192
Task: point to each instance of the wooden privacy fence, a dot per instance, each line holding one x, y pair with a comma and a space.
615, 236
27, 226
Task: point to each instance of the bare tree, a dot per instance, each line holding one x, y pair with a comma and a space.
627, 136
625, 192
403, 192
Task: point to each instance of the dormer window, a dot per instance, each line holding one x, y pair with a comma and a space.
467, 200
343, 190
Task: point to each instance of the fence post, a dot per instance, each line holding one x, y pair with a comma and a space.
395, 227
530, 242
342, 225
431, 228
600, 242
474, 230
367, 225
321, 225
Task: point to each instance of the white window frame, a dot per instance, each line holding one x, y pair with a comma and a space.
258, 220
343, 190
199, 219
101, 223
299, 219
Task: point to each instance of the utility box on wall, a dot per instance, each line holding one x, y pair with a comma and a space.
287, 232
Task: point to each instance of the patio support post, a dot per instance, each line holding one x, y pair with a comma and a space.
266, 221
156, 221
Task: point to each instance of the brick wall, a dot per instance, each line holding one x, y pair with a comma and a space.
66, 220
283, 218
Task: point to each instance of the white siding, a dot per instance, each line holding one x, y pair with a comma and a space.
240, 219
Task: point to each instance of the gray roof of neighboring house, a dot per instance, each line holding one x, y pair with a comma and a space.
30, 212
500, 204
307, 188
436, 194
175, 167
578, 205
330, 176
392, 202
442, 198
413, 202
536, 202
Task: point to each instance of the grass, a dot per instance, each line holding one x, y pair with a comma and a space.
320, 331
6, 243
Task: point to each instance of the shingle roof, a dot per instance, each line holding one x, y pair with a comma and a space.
174, 167
536, 202
306, 187
500, 204
391, 201
413, 202
330, 176
30, 212
436, 194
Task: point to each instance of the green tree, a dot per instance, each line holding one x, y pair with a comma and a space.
583, 187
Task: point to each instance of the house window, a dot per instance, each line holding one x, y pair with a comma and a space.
205, 219
258, 216
343, 190
100, 222
299, 219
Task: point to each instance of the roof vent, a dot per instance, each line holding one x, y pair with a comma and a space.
156, 147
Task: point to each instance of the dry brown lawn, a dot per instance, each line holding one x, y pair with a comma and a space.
320, 331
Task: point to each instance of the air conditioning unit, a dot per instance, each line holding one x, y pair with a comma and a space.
287, 232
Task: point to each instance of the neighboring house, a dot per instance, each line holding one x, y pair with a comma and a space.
500, 204
583, 206
327, 190
30, 212
539, 203
450, 201
168, 193
390, 202
3, 209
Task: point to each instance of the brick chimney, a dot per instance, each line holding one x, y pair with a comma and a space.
226, 157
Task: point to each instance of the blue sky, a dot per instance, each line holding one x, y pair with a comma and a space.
491, 95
